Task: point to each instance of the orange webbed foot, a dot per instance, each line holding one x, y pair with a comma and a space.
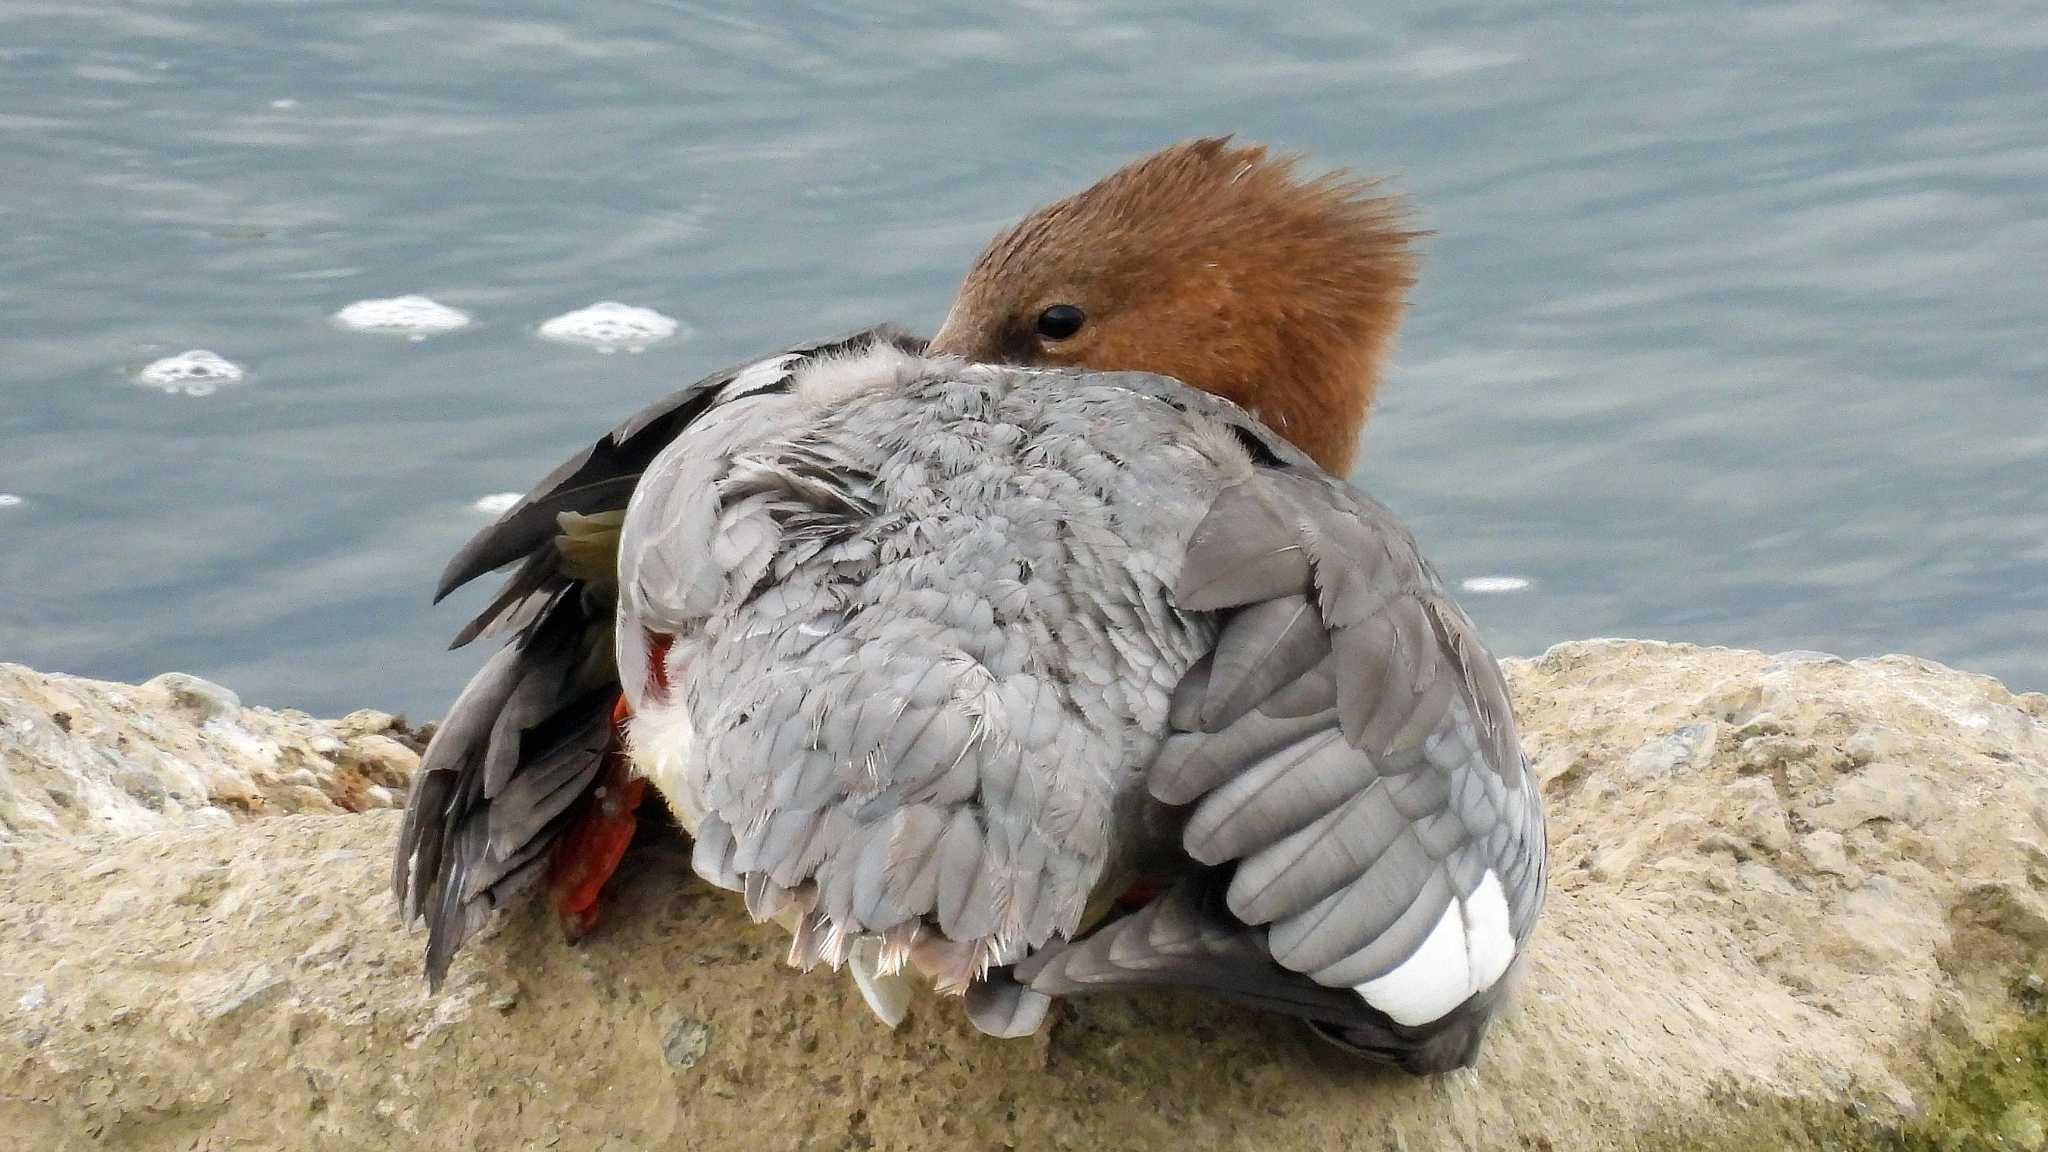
597, 837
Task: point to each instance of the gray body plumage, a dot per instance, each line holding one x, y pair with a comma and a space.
941, 656
520, 749
924, 639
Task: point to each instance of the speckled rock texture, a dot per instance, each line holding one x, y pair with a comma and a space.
85, 757
1776, 882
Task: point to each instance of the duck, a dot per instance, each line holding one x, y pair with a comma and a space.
1050, 657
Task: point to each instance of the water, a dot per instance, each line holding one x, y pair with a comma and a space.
1733, 329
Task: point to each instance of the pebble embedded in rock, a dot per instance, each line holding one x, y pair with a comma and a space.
1753, 811
1871, 743
1825, 851
1881, 791
1679, 753
253, 987
685, 1041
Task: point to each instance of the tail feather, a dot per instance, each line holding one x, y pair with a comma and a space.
525, 595
1187, 938
505, 772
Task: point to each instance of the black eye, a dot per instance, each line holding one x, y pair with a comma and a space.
1060, 321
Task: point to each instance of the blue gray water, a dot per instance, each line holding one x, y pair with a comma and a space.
1733, 329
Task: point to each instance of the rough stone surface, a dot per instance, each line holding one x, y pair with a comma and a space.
82, 757
1774, 879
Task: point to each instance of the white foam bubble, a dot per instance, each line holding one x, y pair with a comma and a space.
1485, 584
609, 326
496, 504
284, 105
414, 316
9, 500
194, 373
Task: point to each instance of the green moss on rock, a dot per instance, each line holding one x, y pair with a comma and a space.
1974, 1097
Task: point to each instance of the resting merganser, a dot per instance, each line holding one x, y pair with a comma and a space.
940, 662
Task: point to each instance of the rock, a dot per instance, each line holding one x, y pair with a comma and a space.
202, 700
1679, 753
1750, 809
243, 989
2024, 1126
1824, 851
1876, 742
1881, 791
685, 1041
82, 756
1823, 880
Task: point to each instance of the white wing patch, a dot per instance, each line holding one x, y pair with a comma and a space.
1489, 941
1467, 951
757, 376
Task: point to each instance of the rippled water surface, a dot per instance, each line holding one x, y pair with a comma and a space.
1733, 329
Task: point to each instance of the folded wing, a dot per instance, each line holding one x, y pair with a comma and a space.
1364, 837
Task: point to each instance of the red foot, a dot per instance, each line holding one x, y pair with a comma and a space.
595, 841
1141, 893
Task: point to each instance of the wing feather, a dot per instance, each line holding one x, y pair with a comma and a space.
1354, 785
